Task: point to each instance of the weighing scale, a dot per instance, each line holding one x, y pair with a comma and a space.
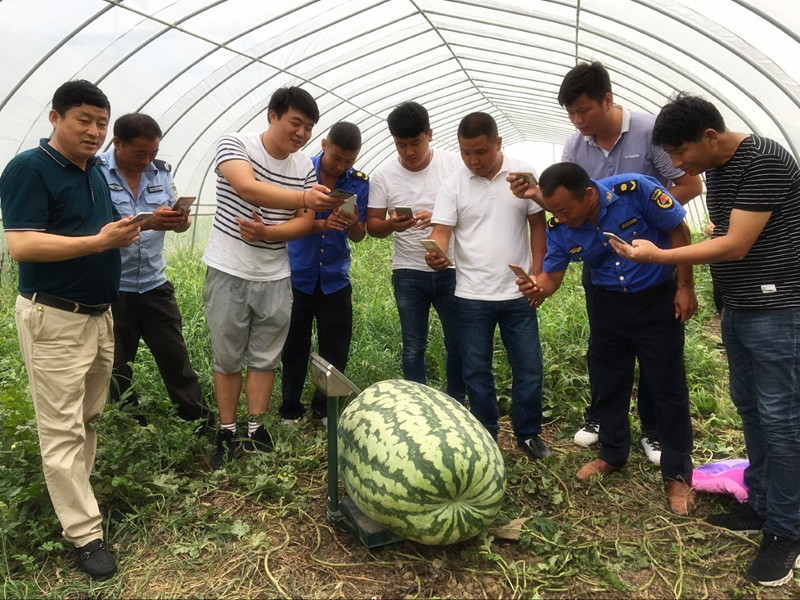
343, 513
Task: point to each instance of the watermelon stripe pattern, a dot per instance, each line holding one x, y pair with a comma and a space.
415, 460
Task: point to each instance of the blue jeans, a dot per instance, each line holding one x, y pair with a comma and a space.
519, 330
764, 358
415, 292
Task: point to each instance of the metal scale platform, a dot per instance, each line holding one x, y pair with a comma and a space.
343, 513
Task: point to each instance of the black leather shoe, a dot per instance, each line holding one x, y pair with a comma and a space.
535, 447
96, 560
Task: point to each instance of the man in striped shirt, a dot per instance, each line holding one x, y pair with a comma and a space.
266, 196
753, 200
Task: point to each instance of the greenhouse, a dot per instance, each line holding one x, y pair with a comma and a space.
181, 525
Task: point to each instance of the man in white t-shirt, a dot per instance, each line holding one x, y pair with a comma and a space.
266, 195
490, 229
412, 182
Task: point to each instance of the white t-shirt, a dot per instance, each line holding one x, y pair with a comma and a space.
393, 185
490, 229
226, 250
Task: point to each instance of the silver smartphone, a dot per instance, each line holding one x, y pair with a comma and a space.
614, 236
433, 246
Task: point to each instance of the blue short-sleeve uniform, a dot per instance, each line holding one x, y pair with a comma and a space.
325, 257
632, 206
143, 261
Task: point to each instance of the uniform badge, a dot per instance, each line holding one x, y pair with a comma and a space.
359, 175
115, 187
152, 189
661, 198
629, 223
576, 250
625, 187
552, 223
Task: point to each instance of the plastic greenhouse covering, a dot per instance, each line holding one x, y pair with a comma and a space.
203, 68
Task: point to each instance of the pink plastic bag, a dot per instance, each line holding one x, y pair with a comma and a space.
722, 477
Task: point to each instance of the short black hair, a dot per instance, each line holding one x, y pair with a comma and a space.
570, 176
408, 120
294, 97
591, 79
346, 136
134, 125
77, 92
477, 124
684, 119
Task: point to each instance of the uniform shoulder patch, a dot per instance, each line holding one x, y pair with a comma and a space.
359, 175
162, 165
552, 223
626, 187
661, 198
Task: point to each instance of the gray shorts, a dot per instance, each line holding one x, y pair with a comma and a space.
246, 319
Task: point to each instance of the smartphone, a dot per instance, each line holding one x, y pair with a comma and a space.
183, 203
350, 204
433, 246
614, 236
529, 177
520, 272
349, 199
404, 211
140, 217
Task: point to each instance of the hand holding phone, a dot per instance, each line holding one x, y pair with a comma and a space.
404, 211
530, 178
183, 203
522, 273
433, 246
614, 236
349, 198
141, 217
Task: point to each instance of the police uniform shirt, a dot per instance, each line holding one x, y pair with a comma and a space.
325, 256
632, 206
143, 261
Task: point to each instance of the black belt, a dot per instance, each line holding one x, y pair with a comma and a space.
62, 304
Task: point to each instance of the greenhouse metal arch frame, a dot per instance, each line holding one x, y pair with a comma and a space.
205, 70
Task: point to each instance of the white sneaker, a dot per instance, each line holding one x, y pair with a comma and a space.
290, 422
324, 421
589, 434
652, 449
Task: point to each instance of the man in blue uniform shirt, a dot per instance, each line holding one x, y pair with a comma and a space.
320, 264
638, 310
612, 140
146, 307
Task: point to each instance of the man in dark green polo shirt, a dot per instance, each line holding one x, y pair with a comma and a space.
62, 229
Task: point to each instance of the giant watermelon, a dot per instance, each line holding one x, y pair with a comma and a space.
417, 461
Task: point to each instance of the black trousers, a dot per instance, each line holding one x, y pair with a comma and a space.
154, 317
334, 315
644, 395
641, 325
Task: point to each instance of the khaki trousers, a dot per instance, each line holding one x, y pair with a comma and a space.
68, 357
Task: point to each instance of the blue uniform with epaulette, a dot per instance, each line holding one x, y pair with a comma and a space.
321, 290
632, 315
146, 307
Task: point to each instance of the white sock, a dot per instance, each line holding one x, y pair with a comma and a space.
251, 428
228, 427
